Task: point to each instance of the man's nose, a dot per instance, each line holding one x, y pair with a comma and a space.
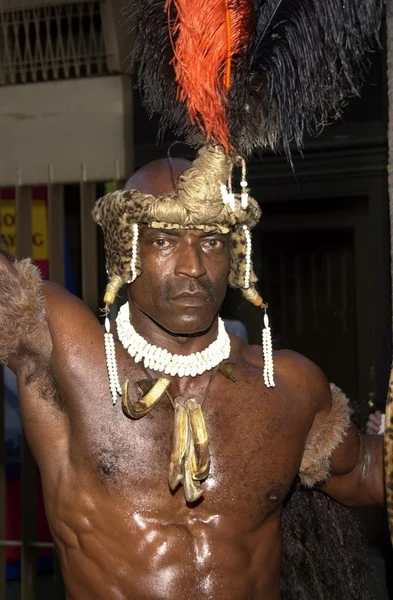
190, 261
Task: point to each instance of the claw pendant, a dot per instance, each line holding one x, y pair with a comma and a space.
179, 445
150, 393
200, 439
190, 461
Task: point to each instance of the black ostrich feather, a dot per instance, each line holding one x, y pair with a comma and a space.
303, 60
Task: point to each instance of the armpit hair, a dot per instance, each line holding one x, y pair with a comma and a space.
21, 304
39, 370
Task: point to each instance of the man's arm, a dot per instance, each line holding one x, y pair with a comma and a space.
355, 474
363, 485
338, 460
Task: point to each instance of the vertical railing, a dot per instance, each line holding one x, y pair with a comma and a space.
89, 245
56, 233
2, 487
23, 196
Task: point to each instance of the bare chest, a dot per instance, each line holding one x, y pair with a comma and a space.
254, 451
255, 441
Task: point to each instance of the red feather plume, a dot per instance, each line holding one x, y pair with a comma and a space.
207, 36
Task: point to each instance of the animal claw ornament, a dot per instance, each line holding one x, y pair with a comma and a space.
190, 462
150, 393
180, 444
192, 488
190, 459
226, 368
201, 443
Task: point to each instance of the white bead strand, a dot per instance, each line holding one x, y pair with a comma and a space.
243, 185
247, 274
244, 195
110, 354
224, 193
267, 348
134, 251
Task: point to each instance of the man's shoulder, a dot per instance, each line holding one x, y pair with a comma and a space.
286, 362
67, 321
70, 320
59, 303
292, 371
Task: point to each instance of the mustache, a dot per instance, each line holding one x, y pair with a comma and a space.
171, 289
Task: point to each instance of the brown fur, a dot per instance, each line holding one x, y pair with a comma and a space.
21, 304
320, 445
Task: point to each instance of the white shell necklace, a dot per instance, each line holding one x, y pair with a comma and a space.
159, 359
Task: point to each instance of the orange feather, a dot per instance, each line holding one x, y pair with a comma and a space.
207, 36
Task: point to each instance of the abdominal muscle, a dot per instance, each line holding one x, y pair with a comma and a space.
143, 555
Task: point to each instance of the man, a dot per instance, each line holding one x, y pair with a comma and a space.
119, 530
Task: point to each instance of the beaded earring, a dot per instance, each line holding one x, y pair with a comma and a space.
134, 251
110, 350
267, 349
110, 354
267, 346
247, 273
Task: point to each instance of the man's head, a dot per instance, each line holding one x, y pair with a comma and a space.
159, 177
177, 229
185, 272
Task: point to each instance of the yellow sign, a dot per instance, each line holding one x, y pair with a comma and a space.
39, 228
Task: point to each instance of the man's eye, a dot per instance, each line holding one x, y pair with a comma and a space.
161, 243
213, 243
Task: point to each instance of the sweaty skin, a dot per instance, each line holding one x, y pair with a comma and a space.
119, 531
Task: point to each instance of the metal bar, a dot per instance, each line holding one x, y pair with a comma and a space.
2, 484
56, 233
89, 258
29, 523
29, 470
23, 221
18, 544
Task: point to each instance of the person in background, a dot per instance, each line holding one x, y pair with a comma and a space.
237, 328
376, 420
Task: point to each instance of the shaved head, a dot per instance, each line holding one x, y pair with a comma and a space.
158, 177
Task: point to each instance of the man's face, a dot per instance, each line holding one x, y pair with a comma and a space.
184, 279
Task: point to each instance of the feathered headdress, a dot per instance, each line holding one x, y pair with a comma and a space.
231, 76
249, 74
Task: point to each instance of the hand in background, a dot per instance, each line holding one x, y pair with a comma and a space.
374, 423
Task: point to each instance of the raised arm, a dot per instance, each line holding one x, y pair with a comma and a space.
21, 306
